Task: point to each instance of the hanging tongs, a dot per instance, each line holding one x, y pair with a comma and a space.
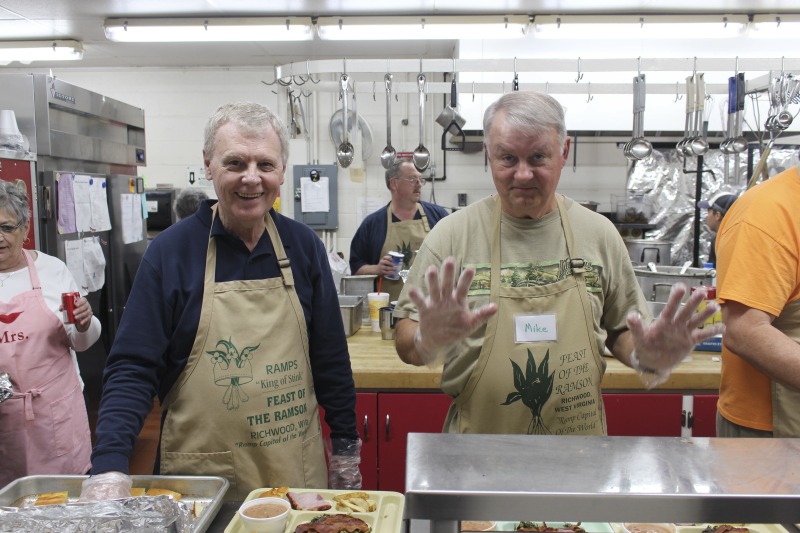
454, 123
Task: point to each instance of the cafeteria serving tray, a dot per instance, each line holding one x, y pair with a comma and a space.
387, 518
207, 491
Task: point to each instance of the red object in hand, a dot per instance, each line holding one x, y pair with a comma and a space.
68, 301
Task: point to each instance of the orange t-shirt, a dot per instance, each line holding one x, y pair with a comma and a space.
758, 265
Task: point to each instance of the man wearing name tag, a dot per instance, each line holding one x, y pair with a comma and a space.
545, 285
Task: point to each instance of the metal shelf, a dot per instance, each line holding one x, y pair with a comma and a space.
601, 479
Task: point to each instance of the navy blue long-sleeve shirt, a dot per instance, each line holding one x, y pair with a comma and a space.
159, 325
365, 248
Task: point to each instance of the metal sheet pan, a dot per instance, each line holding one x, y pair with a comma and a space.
208, 491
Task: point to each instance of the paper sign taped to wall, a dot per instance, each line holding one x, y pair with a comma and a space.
314, 195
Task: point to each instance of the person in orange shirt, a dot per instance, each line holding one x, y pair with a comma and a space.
758, 285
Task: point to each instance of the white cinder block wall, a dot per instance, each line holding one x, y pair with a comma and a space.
178, 101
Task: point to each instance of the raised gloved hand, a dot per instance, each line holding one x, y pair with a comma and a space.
343, 472
444, 316
106, 486
664, 343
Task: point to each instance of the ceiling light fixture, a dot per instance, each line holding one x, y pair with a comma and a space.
775, 26
209, 29
422, 27
27, 51
639, 27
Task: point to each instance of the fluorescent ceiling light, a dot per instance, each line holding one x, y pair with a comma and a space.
27, 51
209, 29
422, 27
775, 26
640, 27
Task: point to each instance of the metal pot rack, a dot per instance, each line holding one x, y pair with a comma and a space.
303, 73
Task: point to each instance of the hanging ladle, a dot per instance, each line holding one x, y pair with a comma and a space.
344, 154
389, 153
699, 144
421, 157
638, 148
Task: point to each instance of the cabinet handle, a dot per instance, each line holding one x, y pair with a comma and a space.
387, 427
366, 429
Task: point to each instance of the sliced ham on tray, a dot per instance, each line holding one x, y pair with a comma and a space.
307, 501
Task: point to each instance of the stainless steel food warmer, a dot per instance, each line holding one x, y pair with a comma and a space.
601, 479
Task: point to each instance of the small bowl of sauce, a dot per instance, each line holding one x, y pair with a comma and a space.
265, 515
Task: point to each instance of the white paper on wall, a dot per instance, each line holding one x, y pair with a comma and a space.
101, 221
94, 264
83, 202
368, 205
73, 255
314, 195
132, 222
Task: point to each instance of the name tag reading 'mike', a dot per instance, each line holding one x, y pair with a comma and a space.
535, 328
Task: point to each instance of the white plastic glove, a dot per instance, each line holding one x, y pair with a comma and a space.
664, 343
343, 472
106, 486
444, 316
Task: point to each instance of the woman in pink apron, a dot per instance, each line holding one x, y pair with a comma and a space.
44, 427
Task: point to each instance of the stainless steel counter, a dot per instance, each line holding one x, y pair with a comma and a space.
601, 479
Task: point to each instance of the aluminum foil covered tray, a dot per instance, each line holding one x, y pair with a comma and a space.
386, 518
201, 498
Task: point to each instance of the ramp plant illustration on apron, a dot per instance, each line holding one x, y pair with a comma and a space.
232, 369
534, 388
408, 253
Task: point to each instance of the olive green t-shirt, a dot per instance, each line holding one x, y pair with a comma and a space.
533, 252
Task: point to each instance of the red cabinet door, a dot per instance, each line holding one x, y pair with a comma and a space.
705, 415
647, 415
401, 414
366, 418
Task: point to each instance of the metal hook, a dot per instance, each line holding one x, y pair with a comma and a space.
454, 66
515, 82
308, 73
547, 87
782, 58
473, 91
589, 96
373, 92
639, 67
678, 96
694, 68
580, 74
504, 87
344, 65
736, 67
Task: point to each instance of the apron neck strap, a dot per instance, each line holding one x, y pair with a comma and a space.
277, 245
576, 264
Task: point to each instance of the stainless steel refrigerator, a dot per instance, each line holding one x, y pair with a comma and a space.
77, 134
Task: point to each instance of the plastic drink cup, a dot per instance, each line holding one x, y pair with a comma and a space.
397, 259
376, 300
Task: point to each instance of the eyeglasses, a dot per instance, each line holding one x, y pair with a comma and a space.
8, 229
415, 181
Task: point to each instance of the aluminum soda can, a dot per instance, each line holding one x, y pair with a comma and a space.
68, 301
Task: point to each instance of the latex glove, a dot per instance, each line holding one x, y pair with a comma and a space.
106, 486
661, 345
444, 316
343, 472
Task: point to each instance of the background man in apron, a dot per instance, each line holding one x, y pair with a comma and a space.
545, 286
758, 284
229, 323
399, 227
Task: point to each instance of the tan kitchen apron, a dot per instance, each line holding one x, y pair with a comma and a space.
786, 402
546, 387
404, 236
244, 407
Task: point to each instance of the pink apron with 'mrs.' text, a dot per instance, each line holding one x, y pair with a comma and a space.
44, 428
